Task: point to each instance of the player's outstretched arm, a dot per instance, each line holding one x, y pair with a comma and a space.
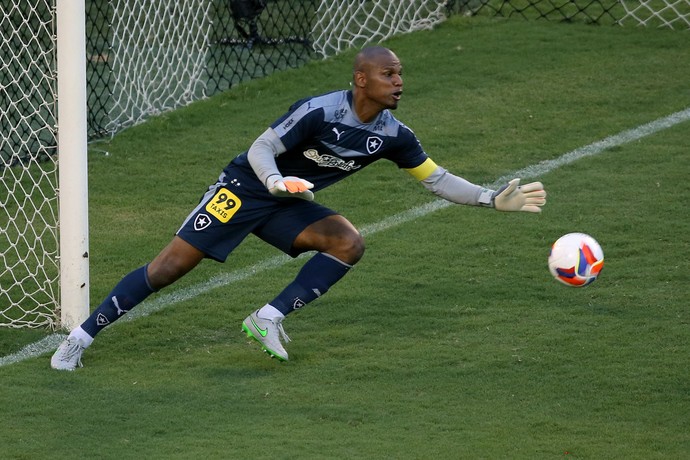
511, 197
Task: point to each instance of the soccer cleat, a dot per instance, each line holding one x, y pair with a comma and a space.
267, 332
68, 355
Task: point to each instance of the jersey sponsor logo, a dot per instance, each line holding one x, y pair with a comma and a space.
223, 205
201, 222
329, 161
288, 123
374, 143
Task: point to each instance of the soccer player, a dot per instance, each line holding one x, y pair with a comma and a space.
269, 191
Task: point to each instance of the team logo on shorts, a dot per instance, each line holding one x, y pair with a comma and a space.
374, 143
201, 222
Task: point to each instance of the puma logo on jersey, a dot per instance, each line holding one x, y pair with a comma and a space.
337, 134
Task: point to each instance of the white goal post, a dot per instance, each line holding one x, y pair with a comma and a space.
72, 163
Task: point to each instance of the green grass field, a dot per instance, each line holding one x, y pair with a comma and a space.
449, 339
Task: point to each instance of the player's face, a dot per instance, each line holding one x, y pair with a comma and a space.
384, 82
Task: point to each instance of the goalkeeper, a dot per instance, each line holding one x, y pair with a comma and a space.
269, 191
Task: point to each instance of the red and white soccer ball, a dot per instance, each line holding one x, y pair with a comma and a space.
576, 259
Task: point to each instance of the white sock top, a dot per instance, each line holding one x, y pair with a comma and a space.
82, 335
268, 311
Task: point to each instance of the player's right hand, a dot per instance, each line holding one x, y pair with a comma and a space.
292, 187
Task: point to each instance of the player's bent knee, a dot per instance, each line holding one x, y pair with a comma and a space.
350, 248
335, 236
358, 247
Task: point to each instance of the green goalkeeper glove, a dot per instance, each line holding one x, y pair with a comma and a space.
513, 197
291, 186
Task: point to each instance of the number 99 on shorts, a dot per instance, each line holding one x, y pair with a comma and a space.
223, 205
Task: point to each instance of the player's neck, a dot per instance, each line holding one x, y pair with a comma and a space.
365, 110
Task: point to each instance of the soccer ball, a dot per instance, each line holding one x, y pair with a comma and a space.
576, 259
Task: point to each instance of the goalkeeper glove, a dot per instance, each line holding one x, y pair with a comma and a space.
513, 197
290, 186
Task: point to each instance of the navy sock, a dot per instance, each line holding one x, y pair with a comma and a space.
314, 279
128, 293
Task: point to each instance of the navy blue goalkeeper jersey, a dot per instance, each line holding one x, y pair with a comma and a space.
326, 142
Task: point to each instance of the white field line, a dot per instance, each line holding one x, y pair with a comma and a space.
49, 343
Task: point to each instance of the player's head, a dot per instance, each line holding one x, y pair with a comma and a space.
377, 77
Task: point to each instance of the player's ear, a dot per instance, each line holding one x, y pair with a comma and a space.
359, 79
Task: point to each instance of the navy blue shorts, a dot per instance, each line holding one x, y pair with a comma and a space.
229, 211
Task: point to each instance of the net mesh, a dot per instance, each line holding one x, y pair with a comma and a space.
158, 58
344, 24
672, 14
655, 13
28, 167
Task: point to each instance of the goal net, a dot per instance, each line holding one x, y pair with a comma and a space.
28, 166
145, 57
671, 14
157, 56
343, 24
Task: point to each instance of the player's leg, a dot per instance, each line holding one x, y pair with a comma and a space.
213, 229
173, 262
339, 246
225, 215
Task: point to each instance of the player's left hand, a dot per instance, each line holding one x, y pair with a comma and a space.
515, 197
